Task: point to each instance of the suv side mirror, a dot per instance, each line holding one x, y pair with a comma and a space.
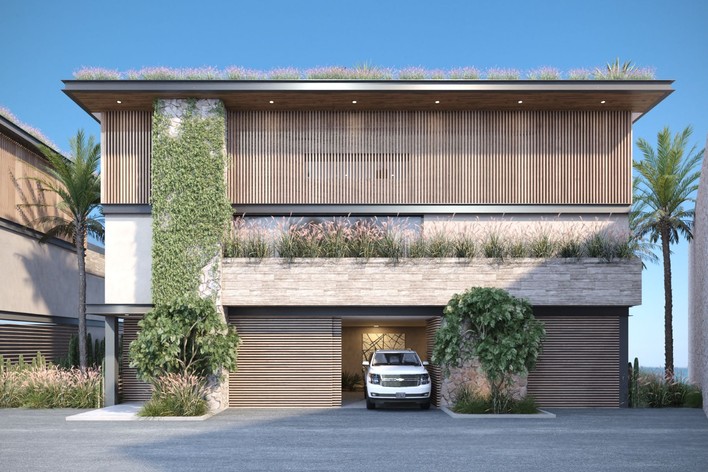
365, 363
426, 363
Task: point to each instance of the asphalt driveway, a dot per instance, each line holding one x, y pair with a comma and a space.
359, 440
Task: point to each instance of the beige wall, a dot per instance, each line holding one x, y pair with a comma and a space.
352, 343
41, 278
427, 282
128, 259
527, 227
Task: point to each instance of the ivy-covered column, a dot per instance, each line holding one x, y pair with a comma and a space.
190, 208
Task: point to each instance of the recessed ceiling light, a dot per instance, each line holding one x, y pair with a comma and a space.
602, 101
271, 101
376, 326
437, 101
353, 101
521, 101
118, 101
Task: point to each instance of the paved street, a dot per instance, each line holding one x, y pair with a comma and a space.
359, 440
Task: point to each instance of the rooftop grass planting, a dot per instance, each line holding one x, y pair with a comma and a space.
611, 71
9, 116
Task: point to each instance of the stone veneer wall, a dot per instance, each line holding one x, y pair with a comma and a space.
698, 291
427, 282
471, 376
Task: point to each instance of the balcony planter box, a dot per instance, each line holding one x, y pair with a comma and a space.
427, 282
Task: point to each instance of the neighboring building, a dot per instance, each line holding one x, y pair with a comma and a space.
493, 156
698, 291
39, 283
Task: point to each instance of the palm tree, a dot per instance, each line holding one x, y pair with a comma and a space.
666, 182
78, 187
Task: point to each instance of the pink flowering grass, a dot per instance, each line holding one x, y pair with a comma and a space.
241, 73
497, 73
176, 395
285, 73
464, 73
544, 73
97, 73
42, 385
8, 115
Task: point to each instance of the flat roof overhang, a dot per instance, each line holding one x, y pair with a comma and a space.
636, 96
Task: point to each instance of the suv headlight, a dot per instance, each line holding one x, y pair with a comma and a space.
424, 379
375, 379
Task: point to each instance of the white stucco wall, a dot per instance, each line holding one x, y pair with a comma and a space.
128, 259
41, 279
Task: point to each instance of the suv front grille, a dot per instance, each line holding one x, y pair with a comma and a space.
400, 380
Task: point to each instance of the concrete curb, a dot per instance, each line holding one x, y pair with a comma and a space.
129, 412
541, 415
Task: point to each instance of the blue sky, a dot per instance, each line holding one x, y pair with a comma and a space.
45, 41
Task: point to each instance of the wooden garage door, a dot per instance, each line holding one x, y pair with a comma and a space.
432, 326
579, 366
287, 362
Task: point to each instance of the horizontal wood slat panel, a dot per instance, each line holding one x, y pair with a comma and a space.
291, 362
435, 372
52, 340
579, 366
451, 157
132, 389
126, 150
20, 162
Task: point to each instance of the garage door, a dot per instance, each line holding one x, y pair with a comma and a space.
580, 363
287, 362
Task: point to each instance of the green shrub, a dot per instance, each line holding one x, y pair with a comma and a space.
571, 248
471, 403
494, 327
654, 391
351, 380
693, 399
464, 246
494, 247
176, 395
187, 336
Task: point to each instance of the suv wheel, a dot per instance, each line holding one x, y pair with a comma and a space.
425, 406
370, 405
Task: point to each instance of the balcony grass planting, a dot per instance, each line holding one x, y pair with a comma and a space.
339, 238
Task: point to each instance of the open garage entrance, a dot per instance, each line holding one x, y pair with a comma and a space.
296, 357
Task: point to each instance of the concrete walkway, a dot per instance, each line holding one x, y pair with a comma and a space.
354, 439
127, 412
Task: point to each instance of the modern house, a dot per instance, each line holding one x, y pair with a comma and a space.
509, 159
39, 282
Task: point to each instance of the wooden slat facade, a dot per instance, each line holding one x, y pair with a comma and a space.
435, 372
132, 389
446, 157
19, 162
52, 340
126, 150
580, 363
287, 362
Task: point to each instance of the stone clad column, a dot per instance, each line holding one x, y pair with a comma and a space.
202, 251
698, 290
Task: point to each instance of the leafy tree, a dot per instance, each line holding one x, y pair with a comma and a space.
666, 182
78, 185
497, 329
187, 336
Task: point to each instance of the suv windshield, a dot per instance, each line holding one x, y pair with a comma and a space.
395, 358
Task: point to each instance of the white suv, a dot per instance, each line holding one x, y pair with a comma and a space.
396, 376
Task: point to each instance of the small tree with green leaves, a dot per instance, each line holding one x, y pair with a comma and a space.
188, 337
496, 328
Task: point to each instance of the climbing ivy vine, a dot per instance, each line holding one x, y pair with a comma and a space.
190, 207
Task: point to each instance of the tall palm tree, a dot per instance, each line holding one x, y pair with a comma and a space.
666, 182
78, 186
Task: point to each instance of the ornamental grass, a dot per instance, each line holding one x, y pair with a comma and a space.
176, 394
40, 384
